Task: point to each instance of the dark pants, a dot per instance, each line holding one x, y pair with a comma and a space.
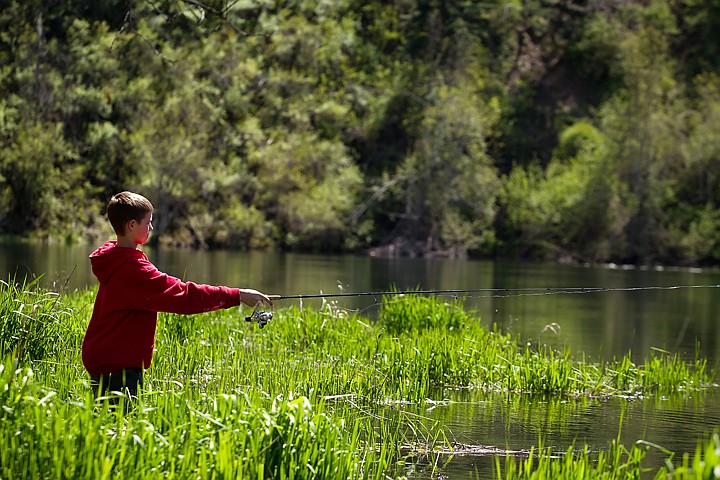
127, 381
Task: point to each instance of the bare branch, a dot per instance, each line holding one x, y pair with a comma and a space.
126, 20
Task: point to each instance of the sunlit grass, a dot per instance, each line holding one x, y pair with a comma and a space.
305, 397
615, 462
169, 435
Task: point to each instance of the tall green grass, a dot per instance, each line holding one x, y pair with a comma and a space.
704, 463
542, 463
35, 323
168, 435
304, 397
616, 462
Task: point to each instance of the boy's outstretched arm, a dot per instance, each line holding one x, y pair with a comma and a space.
252, 298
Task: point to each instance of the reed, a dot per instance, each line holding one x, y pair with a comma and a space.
616, 461
305, 397
168, 434
410, 313
33, 321
704, 463
541, 463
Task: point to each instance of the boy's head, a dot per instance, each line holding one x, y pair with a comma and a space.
126, 206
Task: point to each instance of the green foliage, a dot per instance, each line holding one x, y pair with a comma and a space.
451, 185
581, 137
642, 124
409, 313
32, 322
617, 461
226, 399
567, 209
38, 180
704, 463
232, 437
559, 129
310, 185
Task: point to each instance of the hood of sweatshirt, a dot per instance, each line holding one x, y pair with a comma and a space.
109, 257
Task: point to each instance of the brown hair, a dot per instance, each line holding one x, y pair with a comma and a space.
126, 206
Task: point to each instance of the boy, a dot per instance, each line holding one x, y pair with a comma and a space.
120, 337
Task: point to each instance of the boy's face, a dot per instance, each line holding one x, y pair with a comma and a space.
140, 231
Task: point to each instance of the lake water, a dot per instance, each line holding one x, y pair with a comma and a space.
629, 316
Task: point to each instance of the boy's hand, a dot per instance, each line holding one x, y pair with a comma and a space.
253, 298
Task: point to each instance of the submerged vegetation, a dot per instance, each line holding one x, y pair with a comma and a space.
309, 396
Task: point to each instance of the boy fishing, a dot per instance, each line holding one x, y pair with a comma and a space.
120, 338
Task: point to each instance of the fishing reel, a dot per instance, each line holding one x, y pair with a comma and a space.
261, 317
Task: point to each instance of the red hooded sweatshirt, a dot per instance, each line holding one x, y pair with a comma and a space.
121, 333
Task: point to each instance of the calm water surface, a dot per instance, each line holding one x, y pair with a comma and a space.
599, 326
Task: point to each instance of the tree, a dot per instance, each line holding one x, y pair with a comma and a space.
645, 124
450, 187
308, 186
571, 210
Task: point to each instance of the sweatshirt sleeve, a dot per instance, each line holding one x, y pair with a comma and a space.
144, 287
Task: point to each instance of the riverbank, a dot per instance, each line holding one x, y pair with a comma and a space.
338, 387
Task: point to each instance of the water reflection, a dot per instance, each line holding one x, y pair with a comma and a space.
599, 326
60, 266
518, 422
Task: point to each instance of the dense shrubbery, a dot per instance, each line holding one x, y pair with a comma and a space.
575, 130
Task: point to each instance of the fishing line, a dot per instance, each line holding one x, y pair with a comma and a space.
483, 293
493, 292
